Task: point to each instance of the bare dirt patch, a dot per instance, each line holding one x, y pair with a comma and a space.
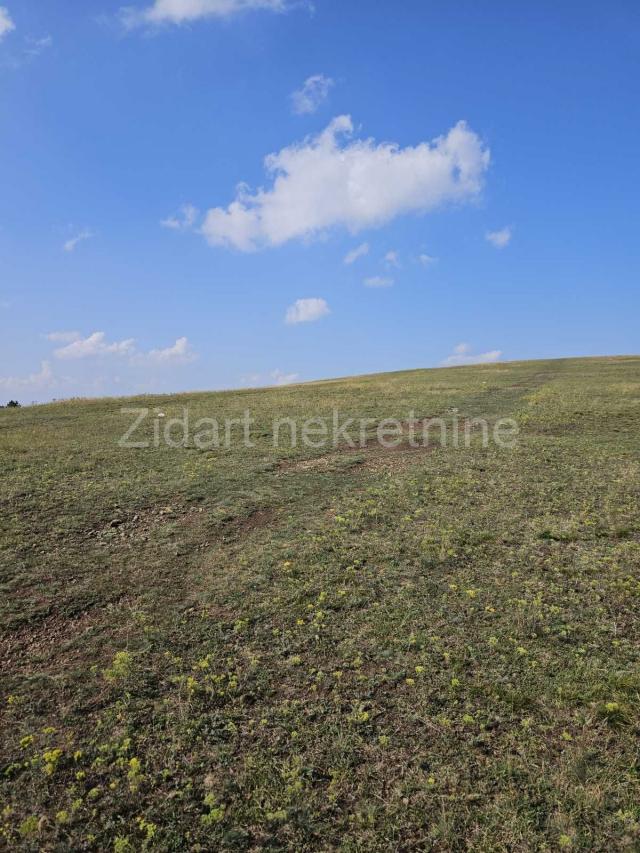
256, 519
24, 650
141, 524
350, 460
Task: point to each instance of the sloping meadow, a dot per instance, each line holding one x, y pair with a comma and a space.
356, 645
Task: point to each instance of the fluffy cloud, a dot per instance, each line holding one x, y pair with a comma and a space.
326, 182
35, 381
179, 353
462, 355
426, 260
359, 252
6, 24
378, 281
500, 238
97, 366
183, 220
94, 345
185, 11
306, 311
80, 237
313, 92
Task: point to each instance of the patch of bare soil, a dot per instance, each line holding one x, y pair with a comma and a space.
371, 455
57, 636
141, 524
554, 430
253, 521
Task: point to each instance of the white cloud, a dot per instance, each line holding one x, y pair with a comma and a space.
280, 378
500, 238
462, 355
324, 183
6, 24
306, 311
378, 281
30, 49
392, 259
359, 252
185, 11
179, 353
183, 220
94, 345
36, 46
98, 366
43, 379
80, 237
274, 377
63, 337
313, 92
426, 260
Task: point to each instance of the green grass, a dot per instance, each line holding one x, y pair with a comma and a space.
315, 650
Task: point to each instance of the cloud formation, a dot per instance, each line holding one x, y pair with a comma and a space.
6, 23
97, 365
179, 353
462, 355
378, 281
94, 345
80, 237
274, 377
500, 238
326, 182
280, 378
306, 311
313, 92
97, 346
183, 220
35, 46
186, 11
426, 260
44, 378
359, 252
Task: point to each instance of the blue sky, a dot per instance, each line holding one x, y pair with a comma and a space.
124, 136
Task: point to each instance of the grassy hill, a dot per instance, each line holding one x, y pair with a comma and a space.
370, 648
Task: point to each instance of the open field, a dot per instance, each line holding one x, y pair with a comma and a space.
364, 650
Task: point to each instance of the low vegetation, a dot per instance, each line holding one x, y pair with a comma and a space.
364, 650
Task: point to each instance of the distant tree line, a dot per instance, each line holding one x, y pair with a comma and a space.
12, 404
